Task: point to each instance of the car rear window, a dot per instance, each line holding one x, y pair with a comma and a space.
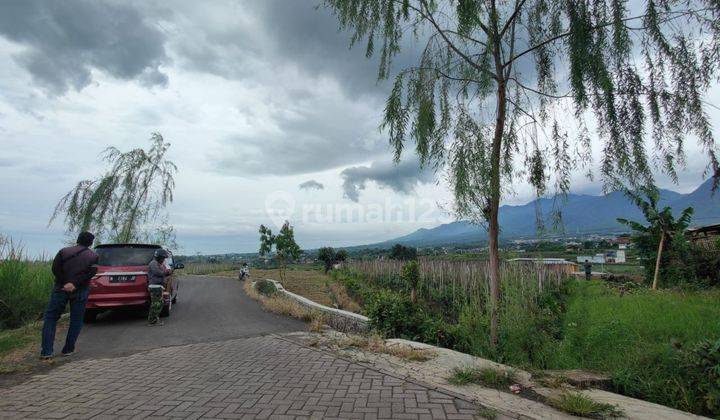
124, 256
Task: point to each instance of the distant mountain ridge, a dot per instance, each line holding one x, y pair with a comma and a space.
581, 214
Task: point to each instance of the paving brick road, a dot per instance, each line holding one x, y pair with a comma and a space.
258, 377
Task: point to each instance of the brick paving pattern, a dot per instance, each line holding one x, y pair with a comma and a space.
260, 377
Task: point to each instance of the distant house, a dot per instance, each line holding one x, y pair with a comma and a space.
705, 236
553, 264
595, 259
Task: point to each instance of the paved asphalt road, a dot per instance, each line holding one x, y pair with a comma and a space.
208, 309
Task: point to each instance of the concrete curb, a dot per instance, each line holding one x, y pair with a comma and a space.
338, 319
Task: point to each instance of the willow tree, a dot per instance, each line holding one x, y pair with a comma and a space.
126, 203
507, 89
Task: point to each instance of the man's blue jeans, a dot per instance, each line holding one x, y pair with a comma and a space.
58, 301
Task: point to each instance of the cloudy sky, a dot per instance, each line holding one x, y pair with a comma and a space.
269, 113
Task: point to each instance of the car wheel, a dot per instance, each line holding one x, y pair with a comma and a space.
90, 315
166, 310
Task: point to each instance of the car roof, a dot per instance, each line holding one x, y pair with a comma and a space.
128, 246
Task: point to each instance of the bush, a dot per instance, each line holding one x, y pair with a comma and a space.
700, 364
265, 287
393, 314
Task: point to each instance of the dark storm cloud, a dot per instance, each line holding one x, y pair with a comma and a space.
311, 185
402, 178
315, 134
66, 40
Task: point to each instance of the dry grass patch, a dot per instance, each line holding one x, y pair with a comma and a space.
375, 344
281, 305
20, 347
341, 299
312, 284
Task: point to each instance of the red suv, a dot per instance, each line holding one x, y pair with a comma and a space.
121, 280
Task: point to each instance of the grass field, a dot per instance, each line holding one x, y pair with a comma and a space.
635, 338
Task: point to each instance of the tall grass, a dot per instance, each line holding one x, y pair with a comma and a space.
636, 338
24, 286
454, 309
209, 268
462, 281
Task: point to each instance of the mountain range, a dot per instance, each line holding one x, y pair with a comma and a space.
581, 215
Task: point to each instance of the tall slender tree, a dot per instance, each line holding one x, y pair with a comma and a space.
498, 78
127, 202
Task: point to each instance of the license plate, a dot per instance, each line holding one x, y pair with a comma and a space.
122, 279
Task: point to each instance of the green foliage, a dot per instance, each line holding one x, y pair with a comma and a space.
578, 404
126, 203
701, 381
265, 287
489, 377
330, 257
402, 253
393, 314
633, 337
662, 225
24, 286
411, 276
286, 249
627, 69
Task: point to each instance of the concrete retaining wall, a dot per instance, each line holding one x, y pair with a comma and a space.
348, 322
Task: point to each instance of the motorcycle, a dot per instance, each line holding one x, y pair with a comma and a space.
244, 273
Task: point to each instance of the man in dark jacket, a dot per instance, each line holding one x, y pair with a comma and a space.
73, 268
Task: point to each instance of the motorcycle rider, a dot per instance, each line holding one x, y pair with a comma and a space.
244, 271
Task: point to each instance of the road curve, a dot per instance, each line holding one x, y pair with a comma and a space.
208, 309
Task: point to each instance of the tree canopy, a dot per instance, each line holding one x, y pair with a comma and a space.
127, 203
508, 89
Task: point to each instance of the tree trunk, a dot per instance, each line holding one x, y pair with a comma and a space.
657, 261
494, 205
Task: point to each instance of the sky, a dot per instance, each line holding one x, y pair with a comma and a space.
269, 112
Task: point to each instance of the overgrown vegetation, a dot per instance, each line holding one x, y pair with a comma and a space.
661, 346
645, 340
24, 286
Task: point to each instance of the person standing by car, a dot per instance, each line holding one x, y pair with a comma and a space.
157, 275
73, 267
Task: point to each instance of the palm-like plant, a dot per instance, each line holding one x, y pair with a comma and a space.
662, 223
